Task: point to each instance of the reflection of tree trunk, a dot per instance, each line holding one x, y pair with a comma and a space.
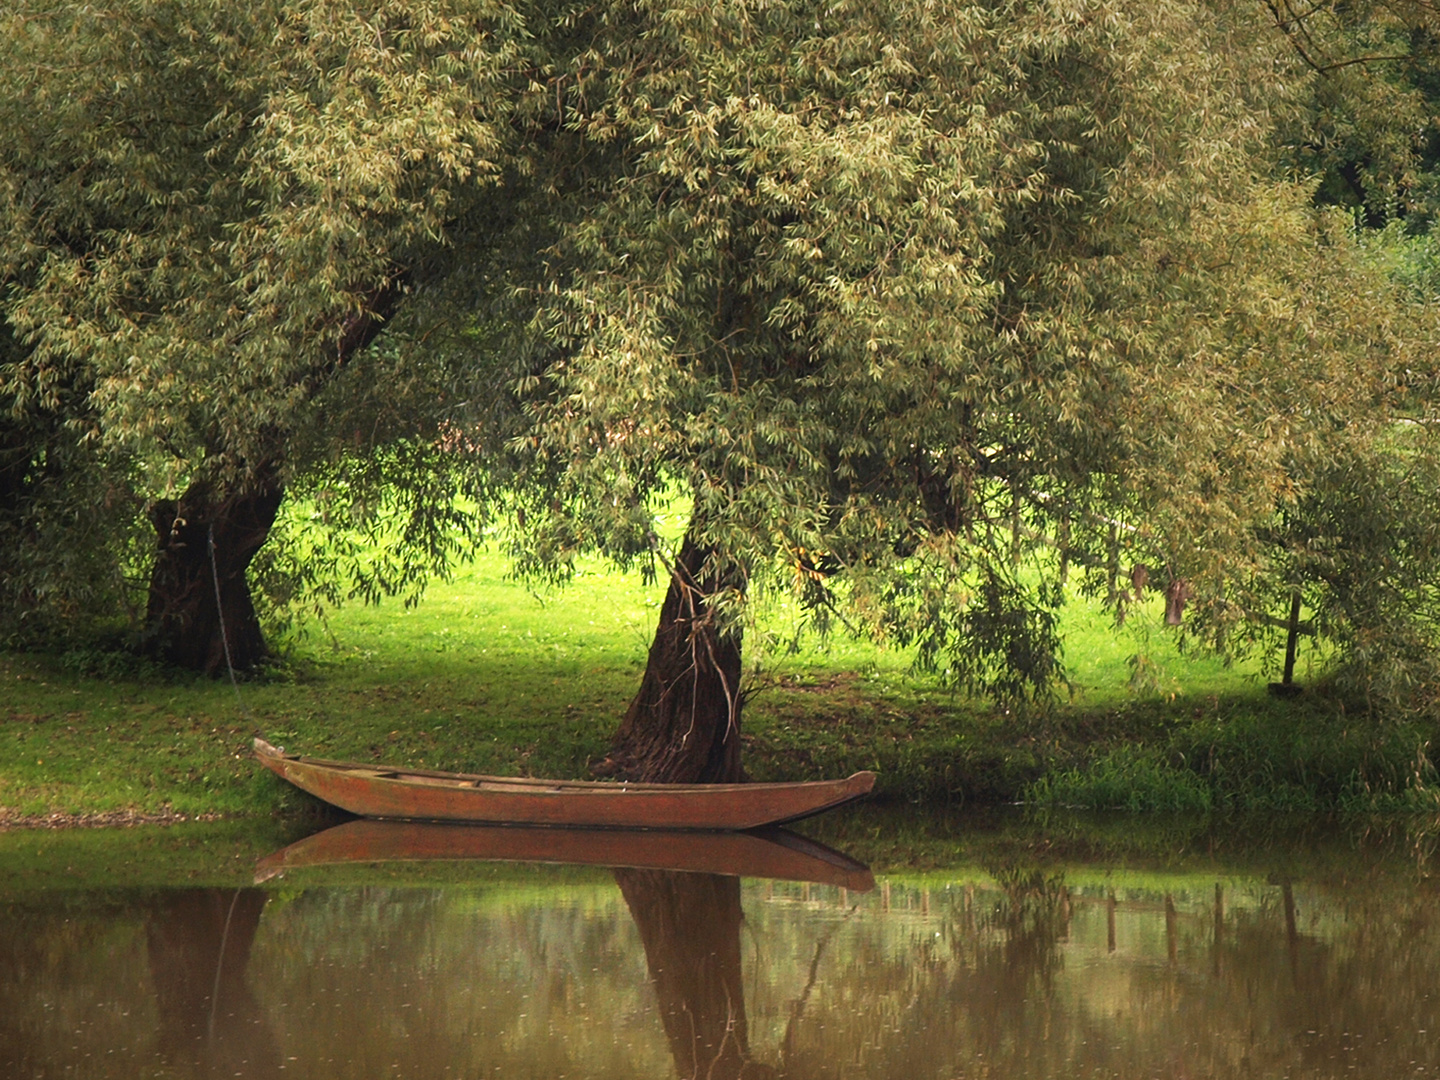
1219, 928
199, 944
690, 926
182, 623
684, 724
1172, 949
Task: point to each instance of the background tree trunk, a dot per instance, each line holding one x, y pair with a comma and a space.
684, 724
182, 623
690, 927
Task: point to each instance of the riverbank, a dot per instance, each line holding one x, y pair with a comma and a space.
889, 839
104, 819
486, 676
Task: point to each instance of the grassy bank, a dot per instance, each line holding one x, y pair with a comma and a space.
488, 676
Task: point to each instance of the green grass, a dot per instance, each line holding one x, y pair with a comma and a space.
41, 862
1129, 777
487, 675
483, 676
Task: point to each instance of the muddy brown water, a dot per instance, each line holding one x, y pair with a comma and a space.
1010, 966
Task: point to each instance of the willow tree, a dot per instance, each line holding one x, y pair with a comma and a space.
64, 510
1354, 544
902, 300
1366, 128
209, 212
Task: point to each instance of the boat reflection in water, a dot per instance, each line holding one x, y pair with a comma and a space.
762, 853
391, 973
682, 890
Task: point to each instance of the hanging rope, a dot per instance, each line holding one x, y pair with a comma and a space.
220, 611
219, 968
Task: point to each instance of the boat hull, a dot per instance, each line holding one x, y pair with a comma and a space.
421, 795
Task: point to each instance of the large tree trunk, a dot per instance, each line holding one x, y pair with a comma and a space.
684, 724
184, 623
690, 927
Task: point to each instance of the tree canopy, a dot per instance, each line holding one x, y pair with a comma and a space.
208, 212
920, 310
904, 298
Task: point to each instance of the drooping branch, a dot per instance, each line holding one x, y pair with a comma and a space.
1293, 25
200, 614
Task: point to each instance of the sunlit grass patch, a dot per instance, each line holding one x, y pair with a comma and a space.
490, 675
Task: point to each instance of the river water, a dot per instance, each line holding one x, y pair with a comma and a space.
1037, 954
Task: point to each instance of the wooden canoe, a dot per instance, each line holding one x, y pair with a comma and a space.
423, 795
768, 853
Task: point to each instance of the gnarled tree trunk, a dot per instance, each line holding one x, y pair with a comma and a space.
184, 623
684, 724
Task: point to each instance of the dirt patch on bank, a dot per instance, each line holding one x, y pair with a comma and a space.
105, 819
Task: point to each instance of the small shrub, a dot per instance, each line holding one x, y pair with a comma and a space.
110, 661
1288, 757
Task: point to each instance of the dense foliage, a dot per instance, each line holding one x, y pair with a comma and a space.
922, 312
207, 211
909, 301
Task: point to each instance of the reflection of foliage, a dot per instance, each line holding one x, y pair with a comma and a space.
476, 979
905, 839
949, 974
1034, 916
